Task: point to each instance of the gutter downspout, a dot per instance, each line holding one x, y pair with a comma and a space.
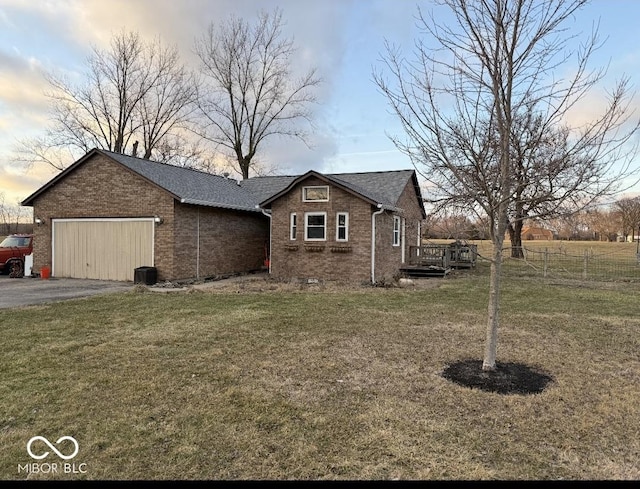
373, 242
270, 235
402, 240
198, 244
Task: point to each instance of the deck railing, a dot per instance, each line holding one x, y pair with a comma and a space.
454, 255
429, 256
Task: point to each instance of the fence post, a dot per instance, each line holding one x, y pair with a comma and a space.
584, 268
546, 262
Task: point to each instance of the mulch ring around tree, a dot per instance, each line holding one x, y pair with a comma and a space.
507, 378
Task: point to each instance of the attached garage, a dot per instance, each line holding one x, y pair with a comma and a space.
101, 248
108, 214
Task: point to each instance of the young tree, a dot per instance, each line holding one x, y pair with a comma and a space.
133, 91
478, 76
251, 92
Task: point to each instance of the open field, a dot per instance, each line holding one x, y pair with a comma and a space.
265, 380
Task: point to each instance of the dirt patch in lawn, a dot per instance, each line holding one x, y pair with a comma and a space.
507, 378
262, 282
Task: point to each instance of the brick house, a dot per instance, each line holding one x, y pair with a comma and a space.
531, 233
356, 226
109, 213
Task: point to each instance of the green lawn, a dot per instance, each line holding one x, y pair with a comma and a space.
276, 381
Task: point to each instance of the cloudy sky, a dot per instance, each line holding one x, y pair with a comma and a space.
342, 38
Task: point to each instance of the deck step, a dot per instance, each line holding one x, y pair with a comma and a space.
430, 271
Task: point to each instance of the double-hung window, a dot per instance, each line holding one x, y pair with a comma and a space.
293, 226
315, 226
396, 231
342, 226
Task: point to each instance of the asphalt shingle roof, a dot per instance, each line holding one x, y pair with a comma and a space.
264, 187
381, 187
191, 186
384, 187
201, 188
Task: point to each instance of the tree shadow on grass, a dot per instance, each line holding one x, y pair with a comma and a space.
507, 378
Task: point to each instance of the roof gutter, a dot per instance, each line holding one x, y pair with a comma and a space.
205, 203
373, 242
397, 210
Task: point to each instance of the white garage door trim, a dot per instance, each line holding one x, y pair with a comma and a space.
111, 274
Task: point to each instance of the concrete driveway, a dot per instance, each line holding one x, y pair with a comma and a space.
15, 292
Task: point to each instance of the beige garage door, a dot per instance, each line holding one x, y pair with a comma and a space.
104, 249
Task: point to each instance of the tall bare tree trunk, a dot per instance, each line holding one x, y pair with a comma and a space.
498, 229
491, 342
515, 235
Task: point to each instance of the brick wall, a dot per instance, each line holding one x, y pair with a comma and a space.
293, 259
102, 188
230, 241
344, 261
389, 257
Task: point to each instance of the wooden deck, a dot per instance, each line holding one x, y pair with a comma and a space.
437, 260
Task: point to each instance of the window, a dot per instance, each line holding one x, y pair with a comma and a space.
293, 226
396, 231
315, 224
315, 194
342, 226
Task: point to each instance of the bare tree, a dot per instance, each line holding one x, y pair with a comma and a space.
251, 92
476, 77
543, 174
604, 222
5, 218
629, 211
134, 91
13, 217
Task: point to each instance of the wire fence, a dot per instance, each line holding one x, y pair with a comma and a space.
588, 264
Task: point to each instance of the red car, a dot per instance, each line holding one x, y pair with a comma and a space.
13, 249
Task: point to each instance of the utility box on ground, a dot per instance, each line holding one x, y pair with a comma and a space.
145, 275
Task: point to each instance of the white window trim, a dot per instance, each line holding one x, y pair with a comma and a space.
304, 193
397, 232
346, 227
306, 225
293, 227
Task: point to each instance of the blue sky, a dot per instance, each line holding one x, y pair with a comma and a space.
342, 38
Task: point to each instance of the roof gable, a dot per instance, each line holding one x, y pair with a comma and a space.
29, 200
187, 185
325, 178
377, 188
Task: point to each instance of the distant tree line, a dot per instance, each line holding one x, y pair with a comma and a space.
617, 221
14, 218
